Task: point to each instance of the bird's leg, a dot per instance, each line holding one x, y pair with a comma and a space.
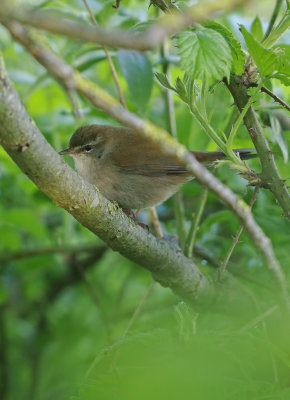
131, 214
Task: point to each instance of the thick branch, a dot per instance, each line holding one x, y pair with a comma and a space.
28, 148
146, 40
270, 174
104, 101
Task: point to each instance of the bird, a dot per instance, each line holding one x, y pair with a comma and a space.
130, 169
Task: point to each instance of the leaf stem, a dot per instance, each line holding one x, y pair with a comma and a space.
242, 114
214, 136
273, 18
276, 33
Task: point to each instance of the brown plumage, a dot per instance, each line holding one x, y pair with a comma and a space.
128, 168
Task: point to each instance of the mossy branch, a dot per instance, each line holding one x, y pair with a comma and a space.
149, 39
101, 99
33, 154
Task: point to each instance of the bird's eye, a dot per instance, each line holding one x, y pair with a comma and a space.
88, 148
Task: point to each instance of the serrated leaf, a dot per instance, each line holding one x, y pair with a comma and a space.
235, 46
265, 59
137, 70
163, 80
204, 54
278, 137
257, 29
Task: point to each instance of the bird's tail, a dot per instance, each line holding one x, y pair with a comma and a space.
211, 156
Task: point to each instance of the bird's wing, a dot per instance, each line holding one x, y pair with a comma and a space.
145, 159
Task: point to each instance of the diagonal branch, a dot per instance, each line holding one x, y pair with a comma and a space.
149, 39
29, 149
275, 97
168, 266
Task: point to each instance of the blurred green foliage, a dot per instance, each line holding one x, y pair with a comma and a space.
64, 311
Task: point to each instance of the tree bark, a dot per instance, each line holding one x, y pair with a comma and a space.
39, 161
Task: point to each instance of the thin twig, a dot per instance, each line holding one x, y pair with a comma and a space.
258, 319
139, 308
224, 264
109, 58
276, 98
191, 239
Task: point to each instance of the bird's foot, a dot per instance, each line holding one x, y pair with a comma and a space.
131, 214
144, 226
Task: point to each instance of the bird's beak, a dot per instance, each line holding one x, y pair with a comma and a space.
66, 151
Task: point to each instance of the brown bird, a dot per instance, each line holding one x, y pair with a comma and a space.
130, 169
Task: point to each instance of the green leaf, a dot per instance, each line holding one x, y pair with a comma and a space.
137, 70
204, 54
257, 29
163, 80
236, 50
265, 59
